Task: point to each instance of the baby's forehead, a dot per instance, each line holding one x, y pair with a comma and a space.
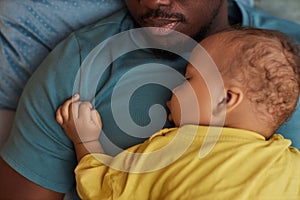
218, 48
219, 40
204, 64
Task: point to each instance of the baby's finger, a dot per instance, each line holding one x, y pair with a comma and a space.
74, 109
75, 97
85, 110
96, 117
65, 107
59, 118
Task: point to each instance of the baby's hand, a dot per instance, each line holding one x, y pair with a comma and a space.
79, 120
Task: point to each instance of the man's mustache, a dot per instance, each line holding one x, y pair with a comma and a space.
158, 13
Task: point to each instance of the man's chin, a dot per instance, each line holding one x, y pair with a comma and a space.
168, 39
164, 36
167, 42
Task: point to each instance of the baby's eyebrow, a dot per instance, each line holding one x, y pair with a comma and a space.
187, 74
187, 71
191, 70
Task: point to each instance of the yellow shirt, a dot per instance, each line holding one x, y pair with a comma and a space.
241, 165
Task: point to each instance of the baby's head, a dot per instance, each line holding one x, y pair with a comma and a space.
261, 74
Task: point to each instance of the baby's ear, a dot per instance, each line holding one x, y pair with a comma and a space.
234, 97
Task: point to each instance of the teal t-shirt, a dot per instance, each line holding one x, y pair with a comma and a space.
38, 148
61, 75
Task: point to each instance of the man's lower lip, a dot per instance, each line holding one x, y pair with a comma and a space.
163, 30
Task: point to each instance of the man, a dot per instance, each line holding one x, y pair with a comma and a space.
38, 160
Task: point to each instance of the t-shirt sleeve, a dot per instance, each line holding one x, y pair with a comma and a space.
115, 177
37, 147
109, 177
31, 29
93, 178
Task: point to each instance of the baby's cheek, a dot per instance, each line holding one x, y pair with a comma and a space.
189, 109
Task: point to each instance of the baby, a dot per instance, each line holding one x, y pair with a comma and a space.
260, 70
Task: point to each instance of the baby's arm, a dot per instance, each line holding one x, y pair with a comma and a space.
82, 124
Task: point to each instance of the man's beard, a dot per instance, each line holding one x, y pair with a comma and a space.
202, 33
204, 30
163, 54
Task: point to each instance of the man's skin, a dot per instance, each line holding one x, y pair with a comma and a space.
6, 119
190, 17
15, 186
